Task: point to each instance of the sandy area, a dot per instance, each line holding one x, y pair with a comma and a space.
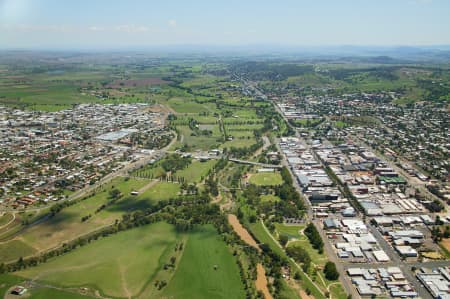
261, 281
446, 243
241, 231
303, 295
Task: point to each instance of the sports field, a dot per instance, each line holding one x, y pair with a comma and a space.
266, 179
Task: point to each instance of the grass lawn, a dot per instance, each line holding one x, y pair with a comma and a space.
266, 179
270, 197
188, 106
316, 258
286, 292
160, 191
262, 236
259, 232
292, 231
341, 124
196, 277
67, 225
239, 142
149, 171
5, 219
47, 293
120, 265
202, 142
8, 281
195, 171
14, 249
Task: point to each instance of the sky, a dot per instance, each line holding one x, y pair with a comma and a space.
109, 24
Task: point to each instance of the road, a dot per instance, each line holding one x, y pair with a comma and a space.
343, 278
397, 261
412, 180
329, 252
121, 172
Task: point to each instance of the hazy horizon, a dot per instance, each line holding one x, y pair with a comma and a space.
138, 24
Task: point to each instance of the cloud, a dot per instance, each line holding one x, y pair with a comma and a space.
132, 28
172, 23
96, 28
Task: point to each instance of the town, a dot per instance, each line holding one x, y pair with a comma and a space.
47, 157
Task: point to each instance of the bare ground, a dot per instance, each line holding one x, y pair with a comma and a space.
261, 281
241, 231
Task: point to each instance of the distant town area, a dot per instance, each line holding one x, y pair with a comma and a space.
47, 156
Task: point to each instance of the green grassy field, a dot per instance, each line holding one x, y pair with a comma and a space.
269, 197
196, 277
48, 293
67, 225
5, 219
266, 179
239, 142
181, 105
120, 265
149, 171
260, 233
160, 191
202, 142
196, 171
8, 281
14, 249
126, 265
292, 231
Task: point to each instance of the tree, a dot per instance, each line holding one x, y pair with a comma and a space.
330, 271
283, 240
114, 193
314, 237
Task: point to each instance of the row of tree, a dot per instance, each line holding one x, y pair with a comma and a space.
314, 237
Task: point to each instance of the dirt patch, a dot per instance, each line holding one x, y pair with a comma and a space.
446, 244
261, 281
136, 83
303, 295
241, 231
